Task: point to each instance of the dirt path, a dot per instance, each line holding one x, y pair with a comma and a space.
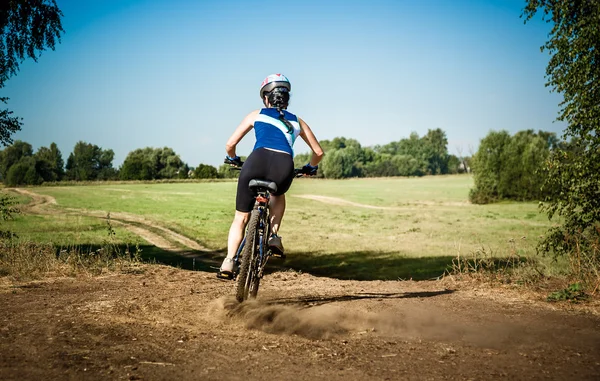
342, 202
171, 324
168, 239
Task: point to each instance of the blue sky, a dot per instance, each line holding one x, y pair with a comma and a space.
183, 73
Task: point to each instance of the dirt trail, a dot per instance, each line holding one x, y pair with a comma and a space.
172, 324
342, 202
165, 323
43, 204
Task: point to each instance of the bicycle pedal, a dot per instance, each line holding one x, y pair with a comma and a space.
225, 276
278, 255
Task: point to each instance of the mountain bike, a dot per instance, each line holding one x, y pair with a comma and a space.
253, 253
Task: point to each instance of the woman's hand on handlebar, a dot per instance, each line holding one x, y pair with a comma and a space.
234, 161
307, 170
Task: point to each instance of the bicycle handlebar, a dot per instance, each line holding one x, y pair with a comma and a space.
237, 166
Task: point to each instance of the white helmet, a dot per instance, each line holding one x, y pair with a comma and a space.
273, 81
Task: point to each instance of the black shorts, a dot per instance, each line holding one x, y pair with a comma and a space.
267, 165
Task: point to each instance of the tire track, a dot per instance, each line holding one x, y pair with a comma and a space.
138, 225
342, 202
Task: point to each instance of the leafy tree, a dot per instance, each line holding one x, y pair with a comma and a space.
454, 164
183, 172
226, 172
338, 164
49, 163
431, 149
487, 166
205, 171
23, 173
12, 155
8, 124
27, 28
435, 151
409, 165
509, 167
138, 165
381, 166
153, 163
168, 163
90, 162
573, 176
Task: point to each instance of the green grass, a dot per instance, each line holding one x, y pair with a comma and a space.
430, 222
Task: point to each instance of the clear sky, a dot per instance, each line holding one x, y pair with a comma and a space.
183, 73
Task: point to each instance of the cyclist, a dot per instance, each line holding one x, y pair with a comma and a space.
276, 129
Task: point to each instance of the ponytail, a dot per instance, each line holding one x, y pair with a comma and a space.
280, 98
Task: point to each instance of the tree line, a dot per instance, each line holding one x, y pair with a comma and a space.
413, 156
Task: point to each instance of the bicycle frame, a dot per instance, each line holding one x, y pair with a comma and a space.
263, 230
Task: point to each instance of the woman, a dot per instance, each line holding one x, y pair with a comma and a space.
276, 130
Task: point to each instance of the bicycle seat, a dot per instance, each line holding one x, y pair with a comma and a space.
257, 185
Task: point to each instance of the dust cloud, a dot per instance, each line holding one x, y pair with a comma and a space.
329, 321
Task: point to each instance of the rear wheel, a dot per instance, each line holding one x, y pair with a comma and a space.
247, 279
260, 244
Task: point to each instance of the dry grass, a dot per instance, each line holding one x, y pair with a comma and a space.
485, 266
584, 262
26, 260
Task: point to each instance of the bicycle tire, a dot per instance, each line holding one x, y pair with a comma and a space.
248, 260
256, 269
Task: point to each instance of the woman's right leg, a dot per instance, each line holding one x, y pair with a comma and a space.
236, 232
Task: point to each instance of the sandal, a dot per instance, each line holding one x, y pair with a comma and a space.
226, 270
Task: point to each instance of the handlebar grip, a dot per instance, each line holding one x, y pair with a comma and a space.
234, 163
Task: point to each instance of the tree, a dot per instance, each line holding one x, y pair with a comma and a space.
27, 28
573, 176
510, 167
487, 166
153, 163
205, 171
90, 162
435, 151
12, 155
49, 163
23, 173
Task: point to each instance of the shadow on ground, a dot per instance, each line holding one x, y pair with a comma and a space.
352, 265
184, 259
369, 265
312, 300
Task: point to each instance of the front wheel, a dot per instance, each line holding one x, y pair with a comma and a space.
247, 279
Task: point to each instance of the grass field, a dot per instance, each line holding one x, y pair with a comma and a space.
357, 228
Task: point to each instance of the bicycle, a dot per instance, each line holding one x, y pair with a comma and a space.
253, 253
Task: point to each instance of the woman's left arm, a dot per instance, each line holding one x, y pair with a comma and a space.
241, 131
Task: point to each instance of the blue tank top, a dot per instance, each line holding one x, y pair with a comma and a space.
273, 134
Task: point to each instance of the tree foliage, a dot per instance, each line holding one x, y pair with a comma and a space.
412, 156
90, 162
49, 163
19, 166
205, 171
27, 27
509, 167
573, 175
153, 163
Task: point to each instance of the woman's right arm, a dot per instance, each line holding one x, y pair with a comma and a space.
310, 139
244, 127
